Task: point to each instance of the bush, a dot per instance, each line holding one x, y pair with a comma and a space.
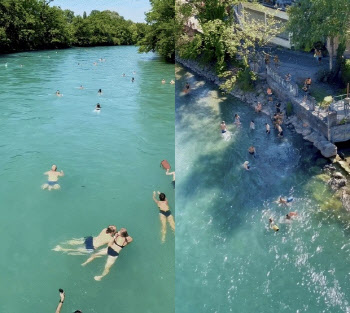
289, 109
345, 72
245, 79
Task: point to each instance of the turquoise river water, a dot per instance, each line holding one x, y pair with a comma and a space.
227, 258
111, 164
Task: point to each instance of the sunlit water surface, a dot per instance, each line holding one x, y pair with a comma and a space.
227, 258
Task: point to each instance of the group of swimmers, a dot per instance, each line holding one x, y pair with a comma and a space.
112, 238
289, 216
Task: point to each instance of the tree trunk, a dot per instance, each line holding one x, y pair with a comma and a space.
331, 52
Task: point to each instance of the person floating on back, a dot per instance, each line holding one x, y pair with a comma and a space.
52, 182
88, 244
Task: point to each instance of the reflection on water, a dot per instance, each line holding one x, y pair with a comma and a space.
227, 257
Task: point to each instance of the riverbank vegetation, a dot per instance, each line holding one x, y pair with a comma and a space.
217, 36
34, 24
161, 28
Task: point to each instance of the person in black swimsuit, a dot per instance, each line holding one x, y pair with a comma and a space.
119, 241
164, 213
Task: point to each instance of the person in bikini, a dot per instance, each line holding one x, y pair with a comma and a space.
88, 244
120, 240
164, 213
52, 181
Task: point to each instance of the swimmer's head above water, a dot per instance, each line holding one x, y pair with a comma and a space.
162, 196
54, 168
111, 229
123, 232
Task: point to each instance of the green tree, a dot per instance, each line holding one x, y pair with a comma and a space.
311, 21
160, 33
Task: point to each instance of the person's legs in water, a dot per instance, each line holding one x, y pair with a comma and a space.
98, 254
110, 261
163, 222
171, 222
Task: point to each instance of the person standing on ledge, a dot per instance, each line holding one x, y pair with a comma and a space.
52, 182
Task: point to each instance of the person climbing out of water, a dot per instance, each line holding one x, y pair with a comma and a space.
163, 81
223, 127
252, 151
119, 241
237, 119
267, 126
164, 213
246, 165
52, 182
172, 174
99, 91
258, 107
88, 244
252, 125
132, 79
172, 82
60, 303
280, 131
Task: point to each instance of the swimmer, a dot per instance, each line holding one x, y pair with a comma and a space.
132, 79
187, 88
52, 182
237, 119
120, 240
282, 201
99, 91
95, 63
58, 93
223, 127
164, 213
88, 244
21, 65
163, 81
172, 82
81, 87
252, 125
252, 151
272, 225
291, 214
267, 126
280, 131
123, 75
258, 107
60, 303
173, 174
5, 64
98, 107
246, 165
